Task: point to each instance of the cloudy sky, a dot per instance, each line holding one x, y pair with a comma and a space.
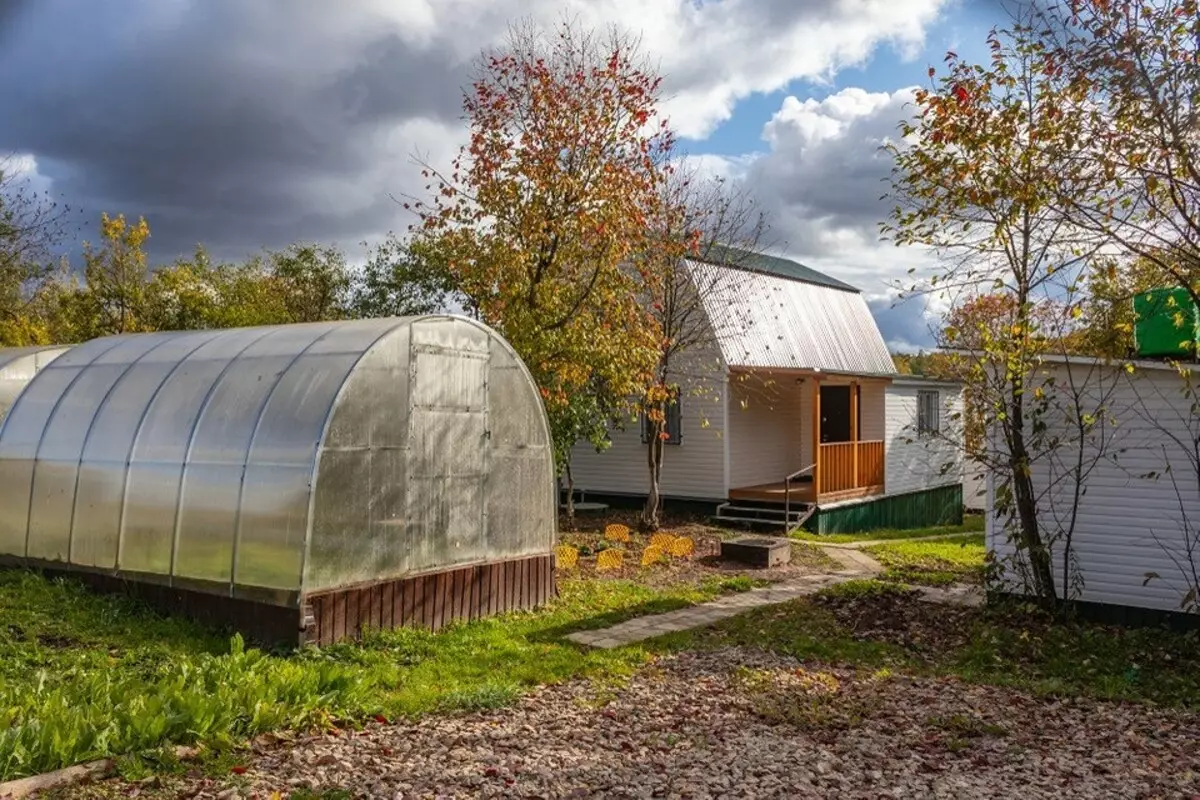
251, 123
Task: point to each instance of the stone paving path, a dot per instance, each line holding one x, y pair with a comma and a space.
855, 565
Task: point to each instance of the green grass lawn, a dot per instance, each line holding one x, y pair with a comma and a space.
84, 676
972, 523
873, 625
934, 563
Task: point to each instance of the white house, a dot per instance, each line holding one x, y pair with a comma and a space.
794, 401
1125, 490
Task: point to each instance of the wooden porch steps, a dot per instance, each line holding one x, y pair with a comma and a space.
763, 515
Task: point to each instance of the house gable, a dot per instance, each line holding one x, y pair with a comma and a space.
771, 313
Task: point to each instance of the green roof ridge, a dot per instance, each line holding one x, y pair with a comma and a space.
724, 255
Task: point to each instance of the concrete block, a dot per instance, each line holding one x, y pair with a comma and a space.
758, 551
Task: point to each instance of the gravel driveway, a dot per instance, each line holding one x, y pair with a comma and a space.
739, 724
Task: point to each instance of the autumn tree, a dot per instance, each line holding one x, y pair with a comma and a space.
544, 213
976, 179
198, 292
115, 273
31, 226
1107, 326
1133, 69
704, 225
312, 281
401, 278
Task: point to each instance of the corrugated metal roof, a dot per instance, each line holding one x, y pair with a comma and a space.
766, 321
723, 255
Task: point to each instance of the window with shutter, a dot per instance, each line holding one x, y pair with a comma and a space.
929, 417
674, 421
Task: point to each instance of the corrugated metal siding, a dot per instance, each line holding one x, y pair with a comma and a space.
695, 468
767, 321
766, 429
1127, 524
940, 506
915, 463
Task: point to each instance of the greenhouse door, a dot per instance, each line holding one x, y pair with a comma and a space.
447, 455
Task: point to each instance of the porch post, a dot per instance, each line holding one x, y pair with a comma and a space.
816, 434
854, 429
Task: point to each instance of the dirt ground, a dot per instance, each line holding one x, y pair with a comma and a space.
587, 535
738, 723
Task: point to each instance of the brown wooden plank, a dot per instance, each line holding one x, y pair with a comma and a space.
387, 599
440, 593
486, 579
377, 606
353, 612
457, 591
535, 582
477, 592
495, 588
426, 592
543, 579
324, 615
501, 588
408, 602
472, 593
430, 592
447, 585
339, 616
439, 605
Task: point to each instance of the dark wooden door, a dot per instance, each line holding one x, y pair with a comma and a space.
835, 414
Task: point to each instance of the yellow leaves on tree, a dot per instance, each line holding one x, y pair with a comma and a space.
116, 275
545, 212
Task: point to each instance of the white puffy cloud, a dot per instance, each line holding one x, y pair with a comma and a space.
821, 180
243, 124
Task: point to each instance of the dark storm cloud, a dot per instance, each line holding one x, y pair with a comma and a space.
826, 163
238, 122
906, 324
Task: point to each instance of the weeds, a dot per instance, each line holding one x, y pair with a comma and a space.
84, 676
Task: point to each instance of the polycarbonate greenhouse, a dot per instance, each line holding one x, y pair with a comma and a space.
18, 365
299, 482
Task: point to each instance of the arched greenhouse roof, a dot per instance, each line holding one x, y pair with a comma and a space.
18, 365
266, 463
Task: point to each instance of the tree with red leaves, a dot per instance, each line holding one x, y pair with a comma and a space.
544, 217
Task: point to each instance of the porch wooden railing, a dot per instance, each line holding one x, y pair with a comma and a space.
849, 465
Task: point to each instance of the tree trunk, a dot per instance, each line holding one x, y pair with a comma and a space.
570, 496
1040, 563
654, 456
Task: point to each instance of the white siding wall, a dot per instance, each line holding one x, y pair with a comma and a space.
1128, 523
695, 468
975, 487
874, 412
920, 462
766, 429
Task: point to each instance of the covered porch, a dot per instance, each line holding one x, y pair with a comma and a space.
822, 434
